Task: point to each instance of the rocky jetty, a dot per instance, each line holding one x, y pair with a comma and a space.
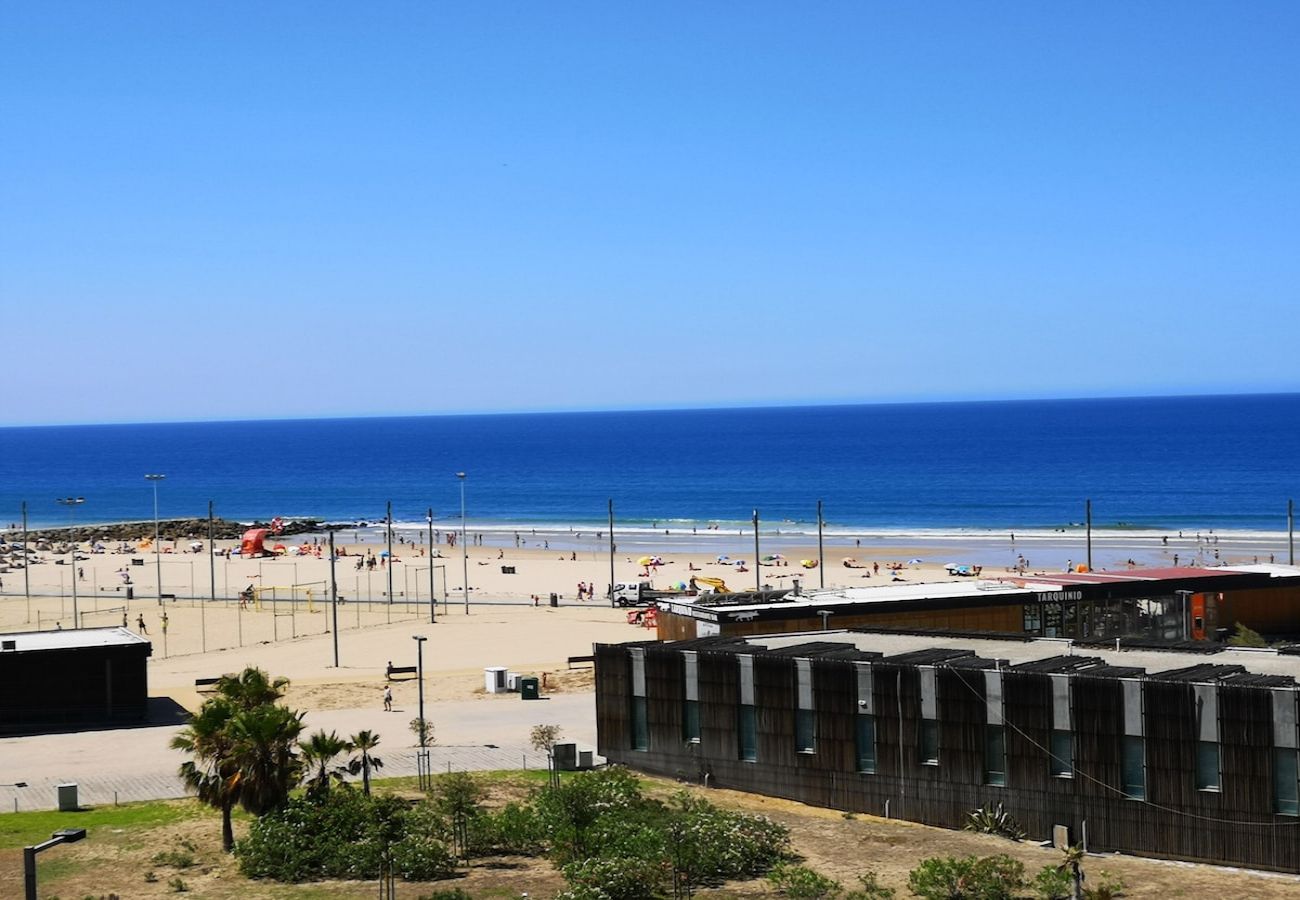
171, 530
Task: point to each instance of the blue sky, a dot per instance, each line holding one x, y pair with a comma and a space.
246, 209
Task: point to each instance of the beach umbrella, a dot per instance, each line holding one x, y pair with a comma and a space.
724, 558
383, 552
913, 562
645, 561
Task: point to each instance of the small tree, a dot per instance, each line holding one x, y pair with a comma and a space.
1247, 637
1073, 864
423, 731
543, 738
458, 797
803, 883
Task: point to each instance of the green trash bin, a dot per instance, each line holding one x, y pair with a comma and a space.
530, 689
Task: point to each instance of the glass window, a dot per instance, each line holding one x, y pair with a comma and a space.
691, 721
995, 755
805, 731
1207, 766
866, 743
1286, 797
747, 729
1062, 758
640, 730
929, 742
1135, 776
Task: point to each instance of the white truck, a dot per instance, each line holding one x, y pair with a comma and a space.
639, 593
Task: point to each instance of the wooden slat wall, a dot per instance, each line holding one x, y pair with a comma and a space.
1178, 821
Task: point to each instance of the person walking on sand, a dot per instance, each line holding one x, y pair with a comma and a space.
388, 698
140, 626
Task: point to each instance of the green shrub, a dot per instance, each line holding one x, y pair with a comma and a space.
514, 829
1052, 883
615, 878
871, 888
994, 820
343, 835
968, 878
1247, 637
1108, 887
449, 894
176, 859
803, 883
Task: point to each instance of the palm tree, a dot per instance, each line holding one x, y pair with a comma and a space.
364, 742
251, 688
213, 773
264, 740
318, 752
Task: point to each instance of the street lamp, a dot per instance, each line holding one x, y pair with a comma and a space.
62, 836
157, 550
72, 503
419, 670
433, 598
464, 551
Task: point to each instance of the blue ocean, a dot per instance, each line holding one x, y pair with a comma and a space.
1226, 462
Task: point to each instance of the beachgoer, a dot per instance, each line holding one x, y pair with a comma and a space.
388, 697
140, 626
123, 618
164, 622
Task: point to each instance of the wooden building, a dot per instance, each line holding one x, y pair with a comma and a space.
1157, 604
1177, 754
55, 679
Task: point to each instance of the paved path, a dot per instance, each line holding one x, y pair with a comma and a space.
137, 764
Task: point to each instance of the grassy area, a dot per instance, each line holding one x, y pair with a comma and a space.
512, 777
23, 828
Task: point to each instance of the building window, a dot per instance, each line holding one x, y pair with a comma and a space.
640, 730
1207, 766
995, 755
1062, 756
805, 731
1134, 765
747, 729
691, 721
866, 744
929, 742
1286, 797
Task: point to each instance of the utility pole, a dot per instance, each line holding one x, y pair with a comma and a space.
611, 551
821, 552
334, 601
157, 547
758, 569
1087, 512
27, 576
433, 598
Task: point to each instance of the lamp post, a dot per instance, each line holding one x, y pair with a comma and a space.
821, 551
423, 768
433, 597
27, 574
758, 569
72, 503
464, 552
1087, 515
62, 836
157, 549
334, 600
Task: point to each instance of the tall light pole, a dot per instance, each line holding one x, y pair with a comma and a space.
72, 503
389, 523
157, 549
212, 576
27, 574
433, 597
611, 551
821, 552
758, 568
1087, 515
464, 551
419, 674
334, 600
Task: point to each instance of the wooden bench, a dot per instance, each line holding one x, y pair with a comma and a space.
575, 661
399, 670
206, 684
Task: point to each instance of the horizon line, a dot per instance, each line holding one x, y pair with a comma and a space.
721, 407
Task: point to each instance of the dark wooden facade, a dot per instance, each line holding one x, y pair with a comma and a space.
57, 687
1235, 824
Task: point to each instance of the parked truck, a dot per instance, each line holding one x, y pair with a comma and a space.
640, 593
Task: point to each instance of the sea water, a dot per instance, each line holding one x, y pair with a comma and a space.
905, 472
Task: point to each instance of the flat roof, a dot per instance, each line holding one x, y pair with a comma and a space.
885, 593
71, 639
1014, 652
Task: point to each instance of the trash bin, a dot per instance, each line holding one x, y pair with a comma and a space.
530, 689
555, 599
494, 679
130, 593
68, 797
565, 756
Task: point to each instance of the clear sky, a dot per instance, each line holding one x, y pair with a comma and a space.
231, 210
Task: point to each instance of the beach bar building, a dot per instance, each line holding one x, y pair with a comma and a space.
55, 679
1176, 754
1157, 604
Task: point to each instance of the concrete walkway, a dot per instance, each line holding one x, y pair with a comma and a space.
133, 764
